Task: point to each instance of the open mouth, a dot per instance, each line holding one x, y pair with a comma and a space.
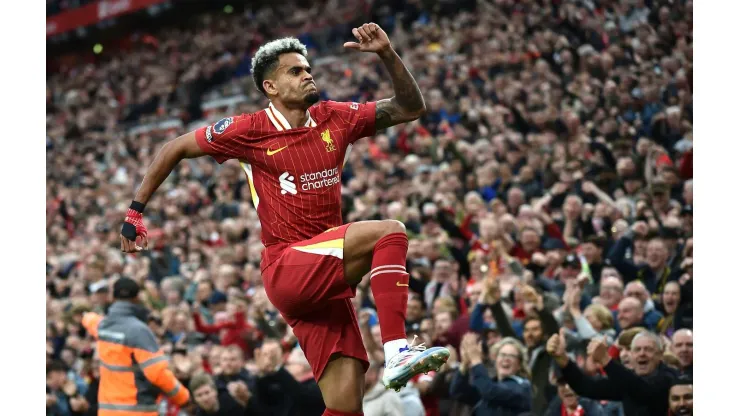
683, 410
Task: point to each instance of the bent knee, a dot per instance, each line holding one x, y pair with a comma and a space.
393, 226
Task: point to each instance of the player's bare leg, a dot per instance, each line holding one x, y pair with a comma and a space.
343, 386
380, 247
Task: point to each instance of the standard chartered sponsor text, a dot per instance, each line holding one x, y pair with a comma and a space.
317, 180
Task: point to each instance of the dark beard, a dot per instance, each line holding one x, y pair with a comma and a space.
311, 98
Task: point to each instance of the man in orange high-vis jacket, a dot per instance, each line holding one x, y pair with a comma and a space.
134, 372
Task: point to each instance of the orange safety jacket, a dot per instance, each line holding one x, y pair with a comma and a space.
134, 372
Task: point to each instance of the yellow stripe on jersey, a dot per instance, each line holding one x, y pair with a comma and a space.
248, 169
325, 248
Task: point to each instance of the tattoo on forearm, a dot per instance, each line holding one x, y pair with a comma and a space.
407, 103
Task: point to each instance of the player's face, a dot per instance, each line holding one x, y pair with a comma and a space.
295, 84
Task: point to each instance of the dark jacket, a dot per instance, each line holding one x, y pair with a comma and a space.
510, 396
227, 406
440, 388
590, 407
255, 406
630, 271
539, 360
640, 396
92, 397
223, 380
285, 396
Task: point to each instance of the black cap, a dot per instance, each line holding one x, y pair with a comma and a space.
125, 288
572, 261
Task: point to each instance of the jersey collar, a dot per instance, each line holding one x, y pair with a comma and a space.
280, 122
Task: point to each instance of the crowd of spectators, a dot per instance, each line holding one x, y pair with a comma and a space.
547, 194
58, 6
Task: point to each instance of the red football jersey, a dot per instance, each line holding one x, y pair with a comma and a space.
294, 174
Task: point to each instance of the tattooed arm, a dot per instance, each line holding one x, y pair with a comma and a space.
407, 103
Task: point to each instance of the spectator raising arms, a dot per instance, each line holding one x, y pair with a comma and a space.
508, 393
641, 390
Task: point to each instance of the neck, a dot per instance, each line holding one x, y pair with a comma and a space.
297, 117
572, 407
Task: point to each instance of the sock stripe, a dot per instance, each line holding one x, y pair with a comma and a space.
392, 266
388, 271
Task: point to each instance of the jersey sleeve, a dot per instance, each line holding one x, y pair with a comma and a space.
226, 138
358, 118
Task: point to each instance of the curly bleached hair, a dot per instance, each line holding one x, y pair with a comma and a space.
268, 55
523, 360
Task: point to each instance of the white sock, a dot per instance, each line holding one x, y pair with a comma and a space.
392, 348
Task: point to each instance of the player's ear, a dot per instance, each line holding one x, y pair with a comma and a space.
270, 87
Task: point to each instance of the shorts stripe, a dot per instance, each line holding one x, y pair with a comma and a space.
333, 248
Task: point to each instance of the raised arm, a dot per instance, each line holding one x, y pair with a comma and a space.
618, 252
183, 147
597, 388
407, 103
222, 140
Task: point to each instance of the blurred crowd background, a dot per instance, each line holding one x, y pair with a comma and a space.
549, 186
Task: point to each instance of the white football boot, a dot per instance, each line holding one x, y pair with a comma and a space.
411, 361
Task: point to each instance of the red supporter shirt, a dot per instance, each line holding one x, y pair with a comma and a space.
294, 173
431, 403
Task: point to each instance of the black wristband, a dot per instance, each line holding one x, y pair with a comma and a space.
137, 206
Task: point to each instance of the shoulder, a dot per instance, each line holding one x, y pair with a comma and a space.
234, 124
138, 335
91, 318
668, 372
589, 405
519, 381
340, 107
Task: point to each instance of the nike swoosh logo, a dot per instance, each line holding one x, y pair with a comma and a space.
271, 152
401, 284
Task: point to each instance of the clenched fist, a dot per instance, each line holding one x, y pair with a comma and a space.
372, 39
598, 350
556, 348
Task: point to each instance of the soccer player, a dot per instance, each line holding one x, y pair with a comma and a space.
293, 152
